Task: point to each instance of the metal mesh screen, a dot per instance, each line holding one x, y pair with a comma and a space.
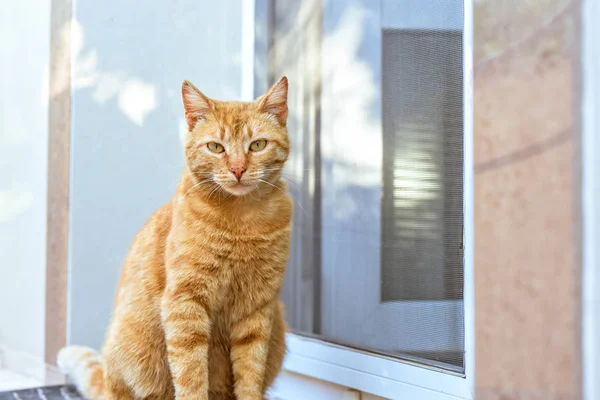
422, 256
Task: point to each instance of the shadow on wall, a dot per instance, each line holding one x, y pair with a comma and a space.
128, 63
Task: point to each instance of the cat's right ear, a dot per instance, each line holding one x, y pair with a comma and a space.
197, 106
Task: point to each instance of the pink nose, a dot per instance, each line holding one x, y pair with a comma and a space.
238, 171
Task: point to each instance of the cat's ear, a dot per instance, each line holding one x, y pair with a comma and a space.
275, 101
197, 106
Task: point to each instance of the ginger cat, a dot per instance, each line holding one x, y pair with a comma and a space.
197, 315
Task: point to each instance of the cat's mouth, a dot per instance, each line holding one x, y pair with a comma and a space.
239, 188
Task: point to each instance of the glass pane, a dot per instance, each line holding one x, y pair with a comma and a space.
377, 174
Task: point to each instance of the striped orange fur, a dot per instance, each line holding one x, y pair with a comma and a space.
197, 314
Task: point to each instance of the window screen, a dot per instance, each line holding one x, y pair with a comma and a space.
376, 123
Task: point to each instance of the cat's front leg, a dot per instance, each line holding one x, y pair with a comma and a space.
187, 325
249, 348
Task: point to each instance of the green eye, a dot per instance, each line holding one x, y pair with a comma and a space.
215, 147
258, 145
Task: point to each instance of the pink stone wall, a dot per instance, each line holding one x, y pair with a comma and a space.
527, 219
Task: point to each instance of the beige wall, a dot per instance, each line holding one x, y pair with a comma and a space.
527, 199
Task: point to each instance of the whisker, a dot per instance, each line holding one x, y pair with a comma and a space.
215, 190
287, 177
174, 183
199, 173
293, 198
295, 169
291, 181
198, 184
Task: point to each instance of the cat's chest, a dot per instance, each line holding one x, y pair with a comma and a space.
251, 273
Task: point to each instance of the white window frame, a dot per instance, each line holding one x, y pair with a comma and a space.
590, 151
360, 370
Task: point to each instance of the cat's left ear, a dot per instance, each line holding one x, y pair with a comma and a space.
275, 101
197, 106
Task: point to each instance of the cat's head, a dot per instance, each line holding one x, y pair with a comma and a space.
238, 146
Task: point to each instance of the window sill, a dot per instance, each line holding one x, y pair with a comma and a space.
370, 373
